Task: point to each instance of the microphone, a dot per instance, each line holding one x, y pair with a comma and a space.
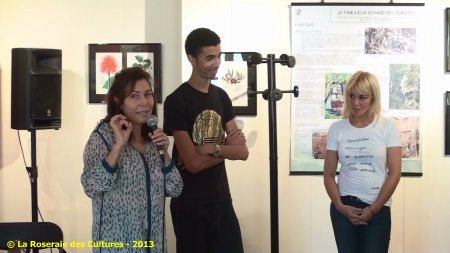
152, 123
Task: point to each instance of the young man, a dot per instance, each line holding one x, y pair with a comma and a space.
198, 115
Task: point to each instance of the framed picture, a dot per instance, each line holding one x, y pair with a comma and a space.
105, 60
447, 40
447, 123
236, 78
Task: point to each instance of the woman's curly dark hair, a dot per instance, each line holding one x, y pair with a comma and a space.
122, 86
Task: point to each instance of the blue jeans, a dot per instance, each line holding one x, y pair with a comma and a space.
371, 238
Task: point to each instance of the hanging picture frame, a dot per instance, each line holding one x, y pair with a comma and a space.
447, 123
447, 40
105, 60
236, 78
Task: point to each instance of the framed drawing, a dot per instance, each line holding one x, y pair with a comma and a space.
105, 60
447, 123
236, 78
447, 40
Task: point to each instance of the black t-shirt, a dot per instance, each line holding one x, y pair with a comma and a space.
203, 116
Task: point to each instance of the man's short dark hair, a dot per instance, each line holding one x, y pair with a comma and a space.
198, 38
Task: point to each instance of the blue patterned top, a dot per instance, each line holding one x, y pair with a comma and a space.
124, 197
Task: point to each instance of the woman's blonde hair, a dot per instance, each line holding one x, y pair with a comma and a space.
367, 84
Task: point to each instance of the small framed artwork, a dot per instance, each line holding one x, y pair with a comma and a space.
447, 40
236, 78
105, 60
447, 123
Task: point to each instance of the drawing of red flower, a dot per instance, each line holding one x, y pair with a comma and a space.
108, 66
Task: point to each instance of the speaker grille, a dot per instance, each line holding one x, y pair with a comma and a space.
36, 88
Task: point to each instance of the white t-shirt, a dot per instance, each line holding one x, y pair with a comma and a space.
362, 155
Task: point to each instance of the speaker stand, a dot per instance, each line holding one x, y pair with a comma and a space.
33, 175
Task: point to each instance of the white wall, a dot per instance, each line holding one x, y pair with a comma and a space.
163, 25
70, 26
421, 205
420, 223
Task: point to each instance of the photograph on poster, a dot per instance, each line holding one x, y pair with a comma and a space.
404, 87
319, 144
390, 40
334, 94
409, 133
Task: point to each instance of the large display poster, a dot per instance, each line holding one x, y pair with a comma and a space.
331, 42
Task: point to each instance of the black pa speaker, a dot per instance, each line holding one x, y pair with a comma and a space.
35, 88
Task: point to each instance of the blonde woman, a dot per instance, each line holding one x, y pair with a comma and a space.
368, 147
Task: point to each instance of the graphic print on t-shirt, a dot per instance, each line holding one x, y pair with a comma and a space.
358, 155
208, 128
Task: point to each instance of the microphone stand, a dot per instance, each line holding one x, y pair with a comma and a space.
272, 95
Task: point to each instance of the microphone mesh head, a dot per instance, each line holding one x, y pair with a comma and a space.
152, 121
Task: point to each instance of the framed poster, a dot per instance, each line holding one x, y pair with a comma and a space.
236, 78
447, 123
447, 40
333, 41
105, 60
